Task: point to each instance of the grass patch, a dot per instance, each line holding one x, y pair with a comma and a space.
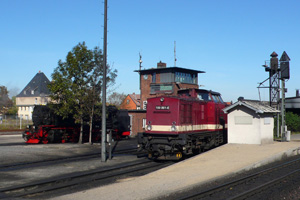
14, 124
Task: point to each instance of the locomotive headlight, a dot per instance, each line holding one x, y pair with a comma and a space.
162, 99
173, 127
149, 127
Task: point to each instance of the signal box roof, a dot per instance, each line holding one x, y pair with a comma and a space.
168, 69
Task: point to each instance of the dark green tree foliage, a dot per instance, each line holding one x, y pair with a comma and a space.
13, 110
293, 122
76, 83
5, 102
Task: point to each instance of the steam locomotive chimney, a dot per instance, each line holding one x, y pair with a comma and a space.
161, 65
297, 93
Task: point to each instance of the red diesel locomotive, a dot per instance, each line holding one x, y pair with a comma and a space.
186, 124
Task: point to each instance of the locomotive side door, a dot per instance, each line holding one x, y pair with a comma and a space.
186, 116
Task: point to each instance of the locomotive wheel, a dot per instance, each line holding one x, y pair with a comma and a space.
50, 137
196, 151
216, 142
45, 141
25, 136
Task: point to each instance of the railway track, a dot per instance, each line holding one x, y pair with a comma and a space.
80, 180
24, 165
249, 186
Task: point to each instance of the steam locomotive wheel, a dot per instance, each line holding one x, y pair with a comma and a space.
25, 136
50, 137
45, 141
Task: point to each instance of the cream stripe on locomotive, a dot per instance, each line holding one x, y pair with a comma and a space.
187, 127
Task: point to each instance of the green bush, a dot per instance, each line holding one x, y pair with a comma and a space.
293, 122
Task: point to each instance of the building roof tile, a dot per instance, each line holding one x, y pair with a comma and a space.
38, 86
257, 106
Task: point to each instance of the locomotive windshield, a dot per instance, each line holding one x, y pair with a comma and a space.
217, 99
221, 100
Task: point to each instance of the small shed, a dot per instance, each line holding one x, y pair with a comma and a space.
250, 122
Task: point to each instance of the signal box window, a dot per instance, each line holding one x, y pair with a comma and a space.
154, 77
185, 78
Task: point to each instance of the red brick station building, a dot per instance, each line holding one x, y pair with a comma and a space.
156, 82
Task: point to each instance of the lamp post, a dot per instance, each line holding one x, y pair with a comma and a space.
103, 136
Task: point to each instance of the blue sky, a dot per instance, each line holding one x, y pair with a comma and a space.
228, 39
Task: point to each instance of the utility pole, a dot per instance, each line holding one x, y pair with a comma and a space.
103, 136
283, 129
284, 74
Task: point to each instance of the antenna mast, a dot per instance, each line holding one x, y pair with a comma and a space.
175, 59
140, 61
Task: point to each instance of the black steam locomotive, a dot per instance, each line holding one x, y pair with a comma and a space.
49, 127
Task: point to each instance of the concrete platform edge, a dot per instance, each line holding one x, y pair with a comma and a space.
282, 155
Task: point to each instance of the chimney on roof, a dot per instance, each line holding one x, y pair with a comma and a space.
161, 65
241, 99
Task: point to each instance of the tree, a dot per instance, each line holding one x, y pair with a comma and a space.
116, 98
13, 110
5, 102
76, 84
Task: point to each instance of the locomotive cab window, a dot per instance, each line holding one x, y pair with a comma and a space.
203, 96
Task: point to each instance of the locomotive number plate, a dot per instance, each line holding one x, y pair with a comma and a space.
162, 107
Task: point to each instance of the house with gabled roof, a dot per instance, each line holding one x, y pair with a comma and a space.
131, 102
250, 122
36, 92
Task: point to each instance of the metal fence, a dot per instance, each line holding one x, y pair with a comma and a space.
8, 122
